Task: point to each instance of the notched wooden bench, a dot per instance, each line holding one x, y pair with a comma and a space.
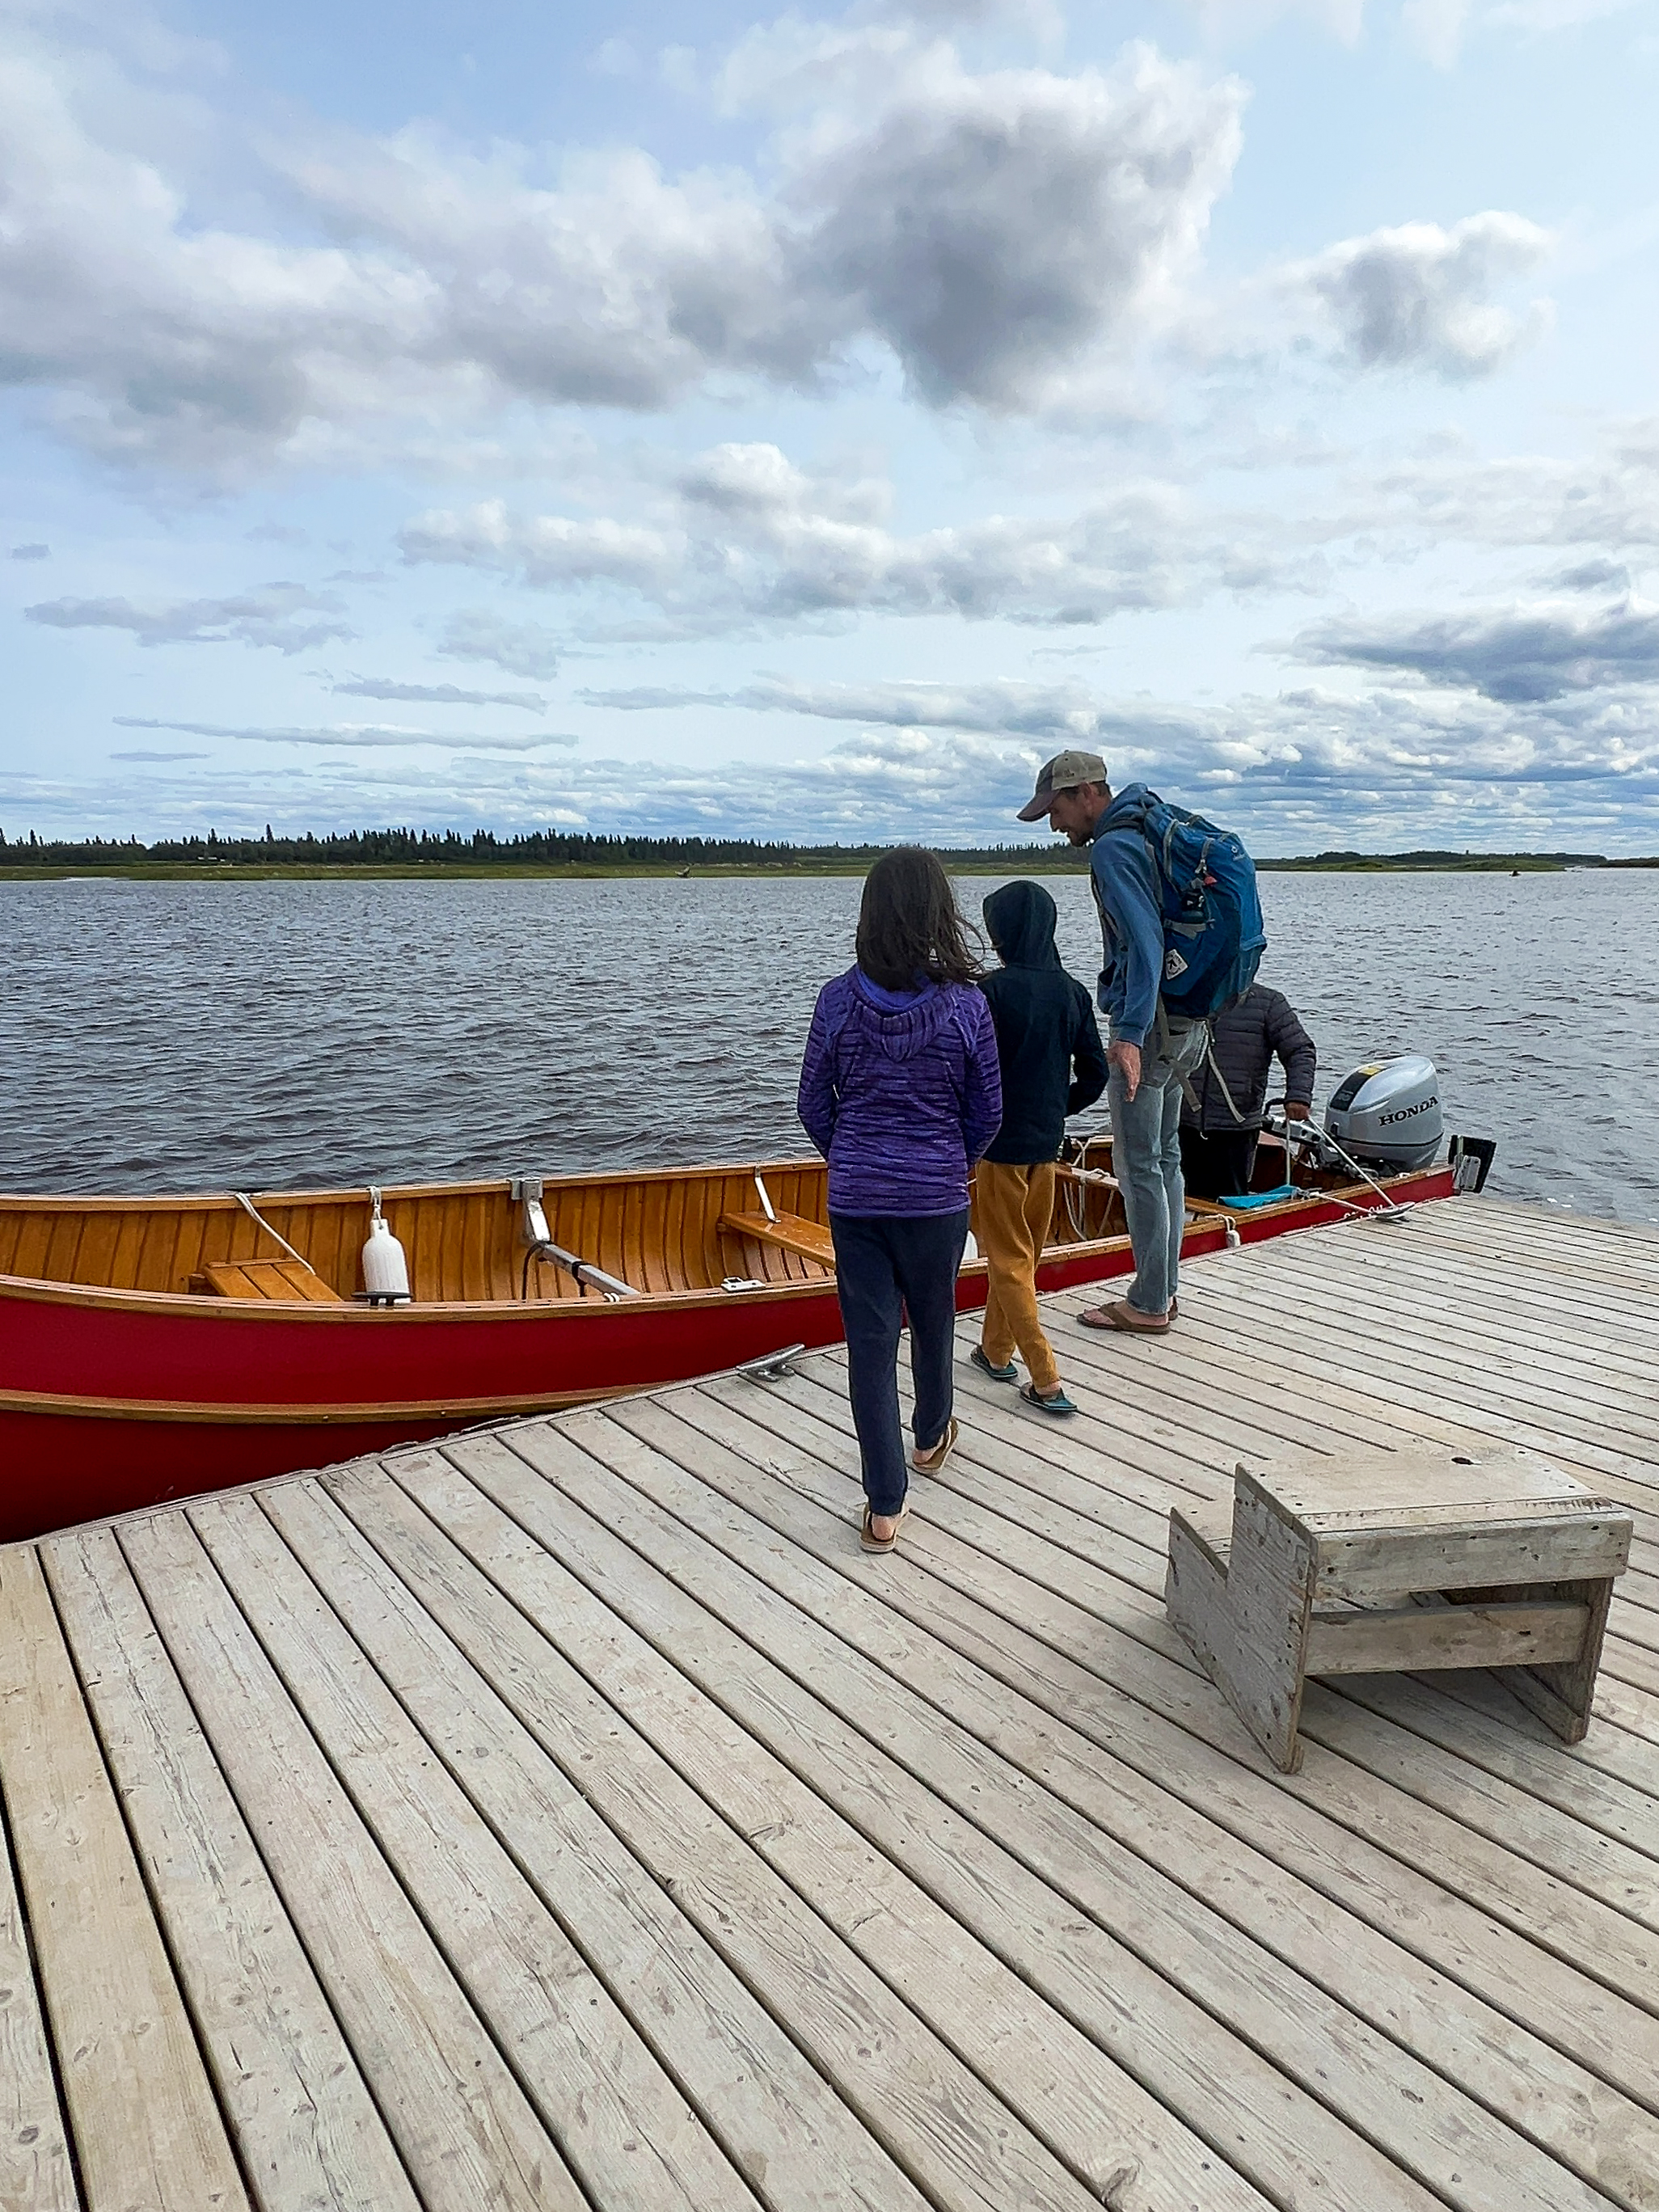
1394, 1563
288, 1282
789, 1232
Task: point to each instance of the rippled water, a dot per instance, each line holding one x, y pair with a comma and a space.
179, 1037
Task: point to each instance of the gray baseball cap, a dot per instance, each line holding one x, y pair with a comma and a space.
1063, 773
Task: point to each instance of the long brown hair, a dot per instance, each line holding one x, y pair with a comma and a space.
909, 926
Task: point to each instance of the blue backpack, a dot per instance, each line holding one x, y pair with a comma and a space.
1212, 934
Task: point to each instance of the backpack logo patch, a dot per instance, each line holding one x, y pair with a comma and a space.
1174, 965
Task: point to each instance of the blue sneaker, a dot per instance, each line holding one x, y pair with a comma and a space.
1008, 1374
1056, 1402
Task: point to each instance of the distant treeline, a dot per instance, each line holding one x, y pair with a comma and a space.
483, 849
414, 851
1442, 860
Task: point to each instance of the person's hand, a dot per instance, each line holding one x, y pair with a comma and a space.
1296, 1109
1125, 1058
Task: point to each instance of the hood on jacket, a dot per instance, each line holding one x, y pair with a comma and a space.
900, 1023
1020, 920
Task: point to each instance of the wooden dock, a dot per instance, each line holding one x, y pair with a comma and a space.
573, 1817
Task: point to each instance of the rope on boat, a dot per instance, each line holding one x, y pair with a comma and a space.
254, 1214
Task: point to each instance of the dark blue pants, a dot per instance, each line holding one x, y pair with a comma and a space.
885, 1266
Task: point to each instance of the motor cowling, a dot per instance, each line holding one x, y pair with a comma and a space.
1387, 1114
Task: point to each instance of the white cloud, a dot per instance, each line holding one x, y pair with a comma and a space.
1421, 296
994, 229
1438, 28
351, 736
745, 542
277, 615
991, 229
1607, 500
1597, 575
1262, 753
1061, 713
1294, 772
437, 695
752, 541
521, 649
1518, 653
550, 549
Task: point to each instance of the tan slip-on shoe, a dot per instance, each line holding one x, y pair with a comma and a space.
1120, 1314
929, 1463
867, 1536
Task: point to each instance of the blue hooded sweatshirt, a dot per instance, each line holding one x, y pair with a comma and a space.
1125, 880
901, 1093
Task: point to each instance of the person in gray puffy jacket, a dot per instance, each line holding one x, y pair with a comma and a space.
1217, 1150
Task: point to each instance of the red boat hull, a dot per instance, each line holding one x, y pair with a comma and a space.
110, 1401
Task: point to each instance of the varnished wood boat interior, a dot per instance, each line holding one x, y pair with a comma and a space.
658, 1232
667, 1231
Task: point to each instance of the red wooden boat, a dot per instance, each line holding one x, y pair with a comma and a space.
154, 1347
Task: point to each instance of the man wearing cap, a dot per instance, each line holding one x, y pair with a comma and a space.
1152, 1053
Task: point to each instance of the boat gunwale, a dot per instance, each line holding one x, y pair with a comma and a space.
178, 1303
357, 1193
1202, 1235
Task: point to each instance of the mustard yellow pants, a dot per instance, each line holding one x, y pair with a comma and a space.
1013, 1208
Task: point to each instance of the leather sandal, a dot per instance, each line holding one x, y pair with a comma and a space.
1056, 1402
929, 1463
1120, 1314
867, 1536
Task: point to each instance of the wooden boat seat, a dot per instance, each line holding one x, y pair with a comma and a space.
287, 1282
1397, 1563
808, 1240
1100, 1178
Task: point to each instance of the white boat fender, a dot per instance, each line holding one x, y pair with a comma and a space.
386, 1270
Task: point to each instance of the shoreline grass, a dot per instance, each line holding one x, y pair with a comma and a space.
1038, 863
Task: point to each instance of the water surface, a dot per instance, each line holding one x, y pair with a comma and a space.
184, 1036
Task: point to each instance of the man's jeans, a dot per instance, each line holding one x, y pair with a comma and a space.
1146, 1161
887, 1269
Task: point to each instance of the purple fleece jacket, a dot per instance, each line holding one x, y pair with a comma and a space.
901, 1093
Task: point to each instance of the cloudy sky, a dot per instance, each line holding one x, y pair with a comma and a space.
657, 418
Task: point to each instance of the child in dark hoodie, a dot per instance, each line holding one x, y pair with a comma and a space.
899, 1091
1052, 1063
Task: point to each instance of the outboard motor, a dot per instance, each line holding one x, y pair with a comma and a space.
1387, 1114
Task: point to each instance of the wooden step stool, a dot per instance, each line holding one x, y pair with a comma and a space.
1393, 1562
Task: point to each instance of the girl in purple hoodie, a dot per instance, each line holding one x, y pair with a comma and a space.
901, 1093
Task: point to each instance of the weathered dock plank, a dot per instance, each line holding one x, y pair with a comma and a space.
35, 2173
463, 2125
147, 2131
572, 1815
265, 2024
